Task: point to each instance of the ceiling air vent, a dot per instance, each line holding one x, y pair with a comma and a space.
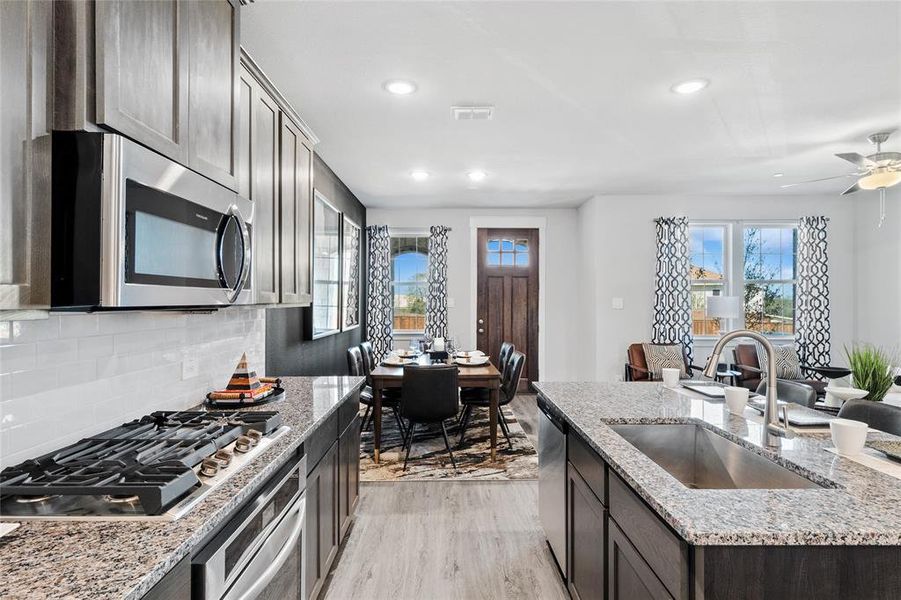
472, 113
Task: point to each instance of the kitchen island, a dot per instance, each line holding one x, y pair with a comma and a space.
651, 535
126, 559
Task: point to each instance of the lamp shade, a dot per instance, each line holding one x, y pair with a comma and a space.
724, 307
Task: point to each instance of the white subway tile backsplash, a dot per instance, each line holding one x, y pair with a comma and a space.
70, 376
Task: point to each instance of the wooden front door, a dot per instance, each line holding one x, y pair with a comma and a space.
508, 294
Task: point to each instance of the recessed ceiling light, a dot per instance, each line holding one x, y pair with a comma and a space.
419, 175
399, 87
477, 175
690, 87
778, 174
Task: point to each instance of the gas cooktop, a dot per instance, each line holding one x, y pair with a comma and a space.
157, 466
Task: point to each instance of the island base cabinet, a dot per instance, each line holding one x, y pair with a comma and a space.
349, 479
587, 523
321, 520
629, 576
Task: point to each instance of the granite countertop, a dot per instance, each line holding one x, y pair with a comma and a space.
859, 506
119, 559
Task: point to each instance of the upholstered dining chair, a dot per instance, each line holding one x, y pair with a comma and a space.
878, 415
355, 363
503, 362
509, 384
637, 363
430, 395
368, 365
791, 391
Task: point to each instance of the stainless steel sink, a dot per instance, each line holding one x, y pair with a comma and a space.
701, 459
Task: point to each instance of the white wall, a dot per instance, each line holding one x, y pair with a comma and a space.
617, 242
562, 330
878, 264
69, 376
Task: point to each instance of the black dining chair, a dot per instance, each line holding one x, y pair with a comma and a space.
355, 364
791, 391
509, 384
368, 365
878, 415
503, 362
430, 395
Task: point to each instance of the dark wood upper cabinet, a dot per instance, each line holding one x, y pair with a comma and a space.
296, 213
166, 77
275, 170
142, 72
26, 73
213, 59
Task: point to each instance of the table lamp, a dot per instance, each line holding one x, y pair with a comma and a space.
724, 307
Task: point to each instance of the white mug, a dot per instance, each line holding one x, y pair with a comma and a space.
848, 436
736, 399
670, 377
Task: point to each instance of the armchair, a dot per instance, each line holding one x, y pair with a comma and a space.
636, 368
748, 365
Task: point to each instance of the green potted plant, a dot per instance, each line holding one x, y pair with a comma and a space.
872, 369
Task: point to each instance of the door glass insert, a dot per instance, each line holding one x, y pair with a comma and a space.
508, 253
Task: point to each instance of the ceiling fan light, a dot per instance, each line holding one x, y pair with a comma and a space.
880, 179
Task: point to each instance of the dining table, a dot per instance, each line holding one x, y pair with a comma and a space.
470, 376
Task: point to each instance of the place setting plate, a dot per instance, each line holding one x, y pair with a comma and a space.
472, 361
469, 354
406, 353
397, 361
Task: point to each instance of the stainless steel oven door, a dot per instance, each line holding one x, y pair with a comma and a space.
171, 237
276, 570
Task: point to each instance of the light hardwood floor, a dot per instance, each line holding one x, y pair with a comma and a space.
436, 540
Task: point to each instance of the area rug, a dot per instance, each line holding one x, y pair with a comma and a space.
429, 459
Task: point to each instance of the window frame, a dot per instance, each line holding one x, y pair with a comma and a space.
314, 334
735, 266
727, 266
405, 233
793, 282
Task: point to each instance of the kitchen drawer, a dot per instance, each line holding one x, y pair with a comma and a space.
320, 441
590, 466
664, 551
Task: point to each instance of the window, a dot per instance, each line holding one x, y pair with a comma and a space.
326, 267
707, 246
409, 280
770, 258
756, 262
508, 253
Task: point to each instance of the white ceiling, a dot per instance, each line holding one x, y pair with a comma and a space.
582, 96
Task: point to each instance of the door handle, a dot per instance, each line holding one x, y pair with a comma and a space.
481, 321
481, 330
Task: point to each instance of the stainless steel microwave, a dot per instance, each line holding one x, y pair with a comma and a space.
133, 229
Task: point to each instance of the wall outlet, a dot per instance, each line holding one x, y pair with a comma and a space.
617, 304
190, 367
450, 302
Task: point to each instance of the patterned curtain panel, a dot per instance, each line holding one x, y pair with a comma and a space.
812, 329
380, 301
672, 298
436, 302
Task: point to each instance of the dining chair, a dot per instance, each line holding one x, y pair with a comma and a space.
791, 391
509, 384
430, 395
878, 415
355, 366
369, 365
503, 362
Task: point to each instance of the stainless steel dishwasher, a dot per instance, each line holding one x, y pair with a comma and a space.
552, 479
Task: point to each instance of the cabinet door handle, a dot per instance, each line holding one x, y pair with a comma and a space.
481, 330
481, 321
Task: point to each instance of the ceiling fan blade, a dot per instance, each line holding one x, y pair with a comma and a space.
858, 159
852, 189
788, 185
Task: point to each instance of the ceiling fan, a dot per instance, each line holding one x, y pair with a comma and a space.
877, 171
